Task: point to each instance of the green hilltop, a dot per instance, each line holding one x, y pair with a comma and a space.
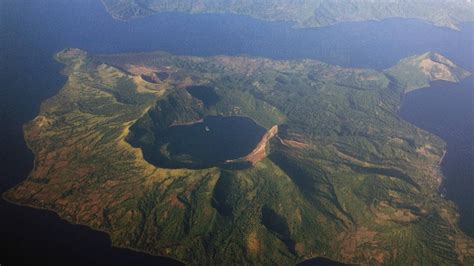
309, 13
338, 174
418, 71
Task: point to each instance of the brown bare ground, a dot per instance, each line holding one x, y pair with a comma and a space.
139, 70
294, 143
253, 244
260, 150
396, 214
360, 236
299, 247
174, 201
464, 247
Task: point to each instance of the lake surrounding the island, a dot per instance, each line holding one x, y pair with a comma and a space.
446, 109
32, 31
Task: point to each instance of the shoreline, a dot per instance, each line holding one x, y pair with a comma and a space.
88, 227
112, 245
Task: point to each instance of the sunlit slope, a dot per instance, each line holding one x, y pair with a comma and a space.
309, 13
418, 71
344, 177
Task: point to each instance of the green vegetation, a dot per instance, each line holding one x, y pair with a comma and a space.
313, 13
344, 178
418, 71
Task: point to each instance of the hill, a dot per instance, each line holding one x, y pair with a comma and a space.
337, 174
419, 70
309, 13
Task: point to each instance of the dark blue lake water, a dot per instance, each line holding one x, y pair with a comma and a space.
446, 109
32, 31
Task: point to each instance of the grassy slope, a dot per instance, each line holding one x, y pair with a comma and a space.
418, 71
306, 13
345, 178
